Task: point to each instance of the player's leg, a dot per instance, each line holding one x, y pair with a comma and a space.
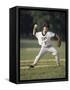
41, 53
56, 54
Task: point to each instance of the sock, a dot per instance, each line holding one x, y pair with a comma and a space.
36, 60
57, 59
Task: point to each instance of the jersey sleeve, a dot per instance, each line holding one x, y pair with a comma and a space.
51, 34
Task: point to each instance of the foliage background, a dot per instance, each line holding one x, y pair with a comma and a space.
55, 18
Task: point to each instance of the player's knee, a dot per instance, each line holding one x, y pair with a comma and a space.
55, 53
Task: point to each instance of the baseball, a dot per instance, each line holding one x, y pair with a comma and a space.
35, 25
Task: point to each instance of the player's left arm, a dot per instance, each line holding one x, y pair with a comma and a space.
58, 40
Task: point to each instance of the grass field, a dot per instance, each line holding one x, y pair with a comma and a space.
46, 68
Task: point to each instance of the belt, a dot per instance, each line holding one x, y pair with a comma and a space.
48, 46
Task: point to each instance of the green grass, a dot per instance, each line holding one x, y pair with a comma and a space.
28, 51
45, 72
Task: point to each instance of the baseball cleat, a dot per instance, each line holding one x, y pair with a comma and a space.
31, 66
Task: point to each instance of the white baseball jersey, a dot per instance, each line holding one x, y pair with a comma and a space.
44, 40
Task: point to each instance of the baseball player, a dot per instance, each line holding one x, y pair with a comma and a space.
44, 40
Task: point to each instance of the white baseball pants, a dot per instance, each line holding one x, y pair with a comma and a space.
43, 50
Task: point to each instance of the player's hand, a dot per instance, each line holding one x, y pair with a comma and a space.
59, 43
35, 26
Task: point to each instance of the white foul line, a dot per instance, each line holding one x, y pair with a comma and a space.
27, 67
41, 60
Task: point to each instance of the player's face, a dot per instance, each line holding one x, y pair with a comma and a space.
45, 29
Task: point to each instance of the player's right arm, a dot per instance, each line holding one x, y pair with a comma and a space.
34, 29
